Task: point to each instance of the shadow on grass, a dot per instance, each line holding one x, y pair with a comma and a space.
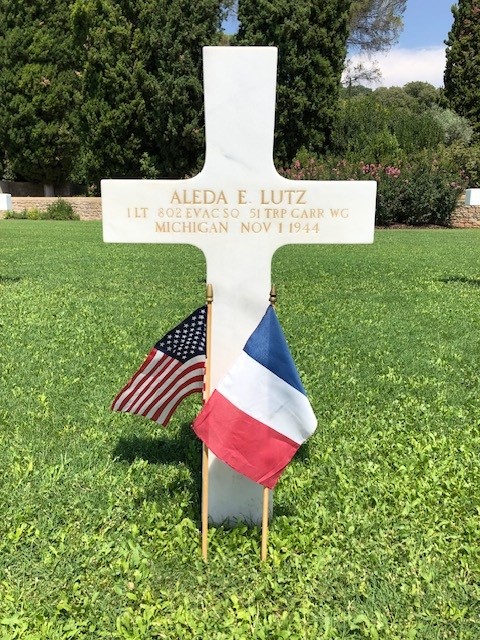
185, 448
9, 279
182, 448
302, 454
474, 282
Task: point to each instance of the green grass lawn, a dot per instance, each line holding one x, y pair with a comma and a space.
376, 529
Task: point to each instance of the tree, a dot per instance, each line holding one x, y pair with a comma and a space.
142, 98
462, 71
351, 91
375, 24
425, 94
355, 72
311, 40
103, 88
174, 33
395, 98
112, 107
40, 89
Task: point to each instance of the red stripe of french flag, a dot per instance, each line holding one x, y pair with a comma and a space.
255, 421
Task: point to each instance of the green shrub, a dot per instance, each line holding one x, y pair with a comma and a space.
382, 146
423, 190
466, 159
372, 130
359, 119
16, 215
25, 214
455, 128
61, 210
33, 214
421, 195
416, 131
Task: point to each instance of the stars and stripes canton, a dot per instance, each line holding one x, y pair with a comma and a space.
174, 369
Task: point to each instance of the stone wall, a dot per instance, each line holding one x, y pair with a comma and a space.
464, 217
87, 208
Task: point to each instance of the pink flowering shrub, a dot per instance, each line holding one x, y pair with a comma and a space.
420, 191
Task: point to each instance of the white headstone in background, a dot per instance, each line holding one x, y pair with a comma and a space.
5, 202
472, 197
238, 210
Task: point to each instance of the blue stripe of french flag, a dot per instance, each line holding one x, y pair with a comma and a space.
259, 414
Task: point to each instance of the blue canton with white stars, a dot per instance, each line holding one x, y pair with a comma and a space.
188, 339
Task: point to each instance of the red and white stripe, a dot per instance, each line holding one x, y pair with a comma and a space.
160, 384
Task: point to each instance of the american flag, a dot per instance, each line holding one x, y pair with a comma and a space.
174, 369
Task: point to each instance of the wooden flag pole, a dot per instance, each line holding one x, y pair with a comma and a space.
208, 341
266, 492
266, 495
206, 395
205, 502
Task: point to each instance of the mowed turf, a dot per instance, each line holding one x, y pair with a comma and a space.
376, 528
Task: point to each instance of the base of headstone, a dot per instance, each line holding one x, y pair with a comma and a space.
226, 484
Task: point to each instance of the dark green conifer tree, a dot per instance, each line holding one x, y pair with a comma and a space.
311, 39
174, 35
462, 72
142, 111
112, 112
40, 90
103, 88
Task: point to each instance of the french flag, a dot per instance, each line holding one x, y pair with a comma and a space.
259, 414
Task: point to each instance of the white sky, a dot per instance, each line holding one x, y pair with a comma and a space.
420, 52
400, 66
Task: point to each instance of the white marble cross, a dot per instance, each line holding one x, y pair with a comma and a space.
238, 210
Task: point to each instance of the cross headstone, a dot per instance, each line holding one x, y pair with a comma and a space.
238, 210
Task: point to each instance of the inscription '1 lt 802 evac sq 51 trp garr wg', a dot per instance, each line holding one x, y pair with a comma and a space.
209, 211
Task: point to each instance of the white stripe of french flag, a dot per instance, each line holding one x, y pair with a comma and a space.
259, 414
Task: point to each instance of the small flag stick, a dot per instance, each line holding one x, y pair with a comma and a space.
263, 556
205, 502
266, 493
206, 395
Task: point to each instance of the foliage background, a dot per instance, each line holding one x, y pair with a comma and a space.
142, 94
114, 89
40, 90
